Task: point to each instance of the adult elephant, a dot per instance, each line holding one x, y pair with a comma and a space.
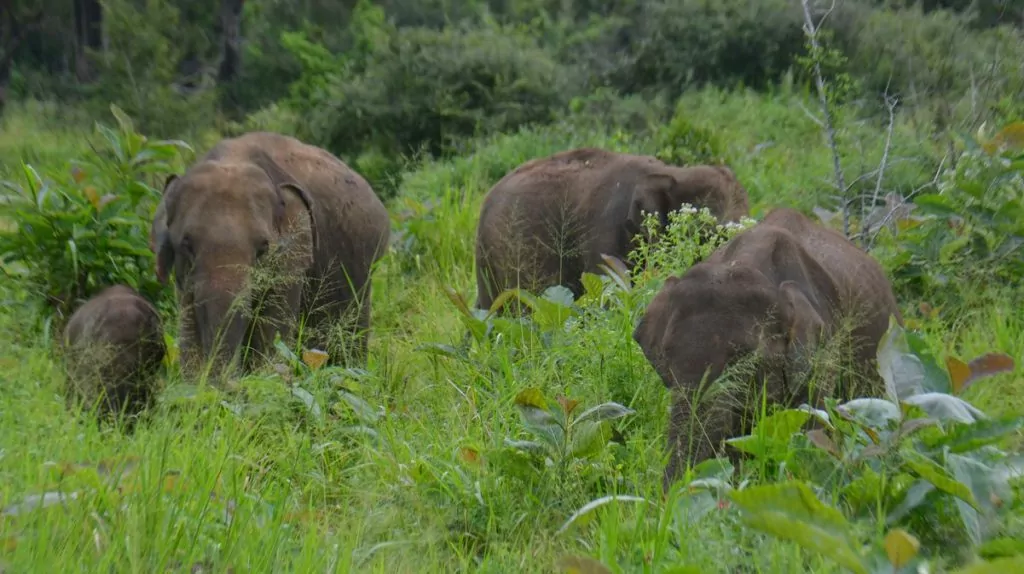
550, 220
775, 293
262, 231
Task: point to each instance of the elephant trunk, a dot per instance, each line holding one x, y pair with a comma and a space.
222, 313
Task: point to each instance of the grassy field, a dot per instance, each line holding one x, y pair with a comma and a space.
405, 466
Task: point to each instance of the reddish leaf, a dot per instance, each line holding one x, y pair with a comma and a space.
469, 455
821, 440
568, 405
958, 372
315, 358
986, 366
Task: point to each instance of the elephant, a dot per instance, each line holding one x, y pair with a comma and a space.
775, 293
113, 347
264, 234
550, 220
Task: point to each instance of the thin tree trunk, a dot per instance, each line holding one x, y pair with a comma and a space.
231, 40
88, 35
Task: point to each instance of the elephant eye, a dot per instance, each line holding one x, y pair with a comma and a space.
264, 246
186, 246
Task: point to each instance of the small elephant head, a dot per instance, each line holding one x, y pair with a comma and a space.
113, 346
710, 318
223, 220
668, 188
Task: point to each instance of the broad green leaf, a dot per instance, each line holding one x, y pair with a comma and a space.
718, 468
593, 287
935, 204
989, 488
901, 547
946, 407
361, 408
935, 376
875, 413
525, 445
589, 437
560, 295
903, 372
791, 511
933, 472
584, 513
771, 435
968, 437
605, 411
914, 497
307, 399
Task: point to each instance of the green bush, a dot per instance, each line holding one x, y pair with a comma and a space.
685, 42
921, 55
138, 69
426, 89
969, 232
69, 235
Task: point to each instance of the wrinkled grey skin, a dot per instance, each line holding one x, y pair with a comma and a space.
113, 348
779, 288
550, 220
264, 205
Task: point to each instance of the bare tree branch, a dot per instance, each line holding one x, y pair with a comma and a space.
812, 35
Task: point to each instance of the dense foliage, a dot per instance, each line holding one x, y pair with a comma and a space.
476, 441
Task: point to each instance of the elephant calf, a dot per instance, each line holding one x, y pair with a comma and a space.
267, 235
113, 347
780, 288
550, 220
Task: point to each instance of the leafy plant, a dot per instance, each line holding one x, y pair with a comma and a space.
70, 235
971, 228
690, 236
903, 458
563, 436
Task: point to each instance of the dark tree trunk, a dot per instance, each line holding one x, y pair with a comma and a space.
231, 39
88, 35
13, 31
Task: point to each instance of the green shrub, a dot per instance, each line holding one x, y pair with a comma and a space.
968, 232
679, 43
685, 142
138, 69
70, 235
936, 54
426, 89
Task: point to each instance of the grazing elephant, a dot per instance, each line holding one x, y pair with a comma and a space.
550, 220
113, 347
262, 231
779, 288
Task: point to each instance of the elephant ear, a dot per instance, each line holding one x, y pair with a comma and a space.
650, 195
283, 181
158, 242
804, 326
281, 212
652, 330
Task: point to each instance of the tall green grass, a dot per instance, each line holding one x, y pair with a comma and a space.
404, 466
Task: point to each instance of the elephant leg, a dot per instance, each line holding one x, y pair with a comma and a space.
696, 433
189, 350
274, 313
